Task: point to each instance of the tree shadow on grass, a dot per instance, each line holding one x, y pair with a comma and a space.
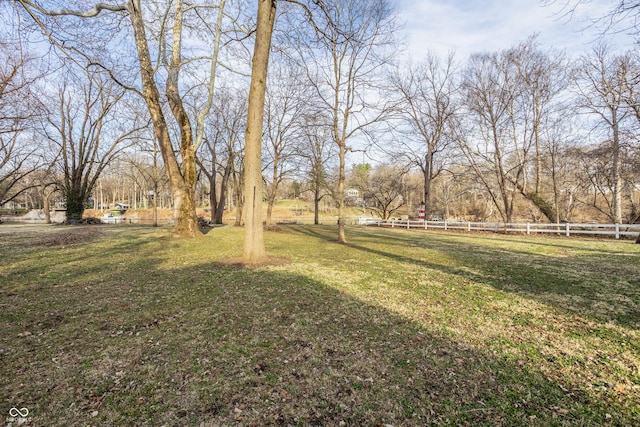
604, 285
211, 345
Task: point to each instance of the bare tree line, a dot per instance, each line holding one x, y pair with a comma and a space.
523, 131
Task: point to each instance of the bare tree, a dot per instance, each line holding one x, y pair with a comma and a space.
450, 190
494, 151
602, 84
237, 184
558, 165
87, 135
254, 249
544, 76
595, 173
18, 160
19, 154
632, 178
510, 95
385, 192
146, 163
623, 16
427, 106
285, 105
344, 63
317, 152
222, 148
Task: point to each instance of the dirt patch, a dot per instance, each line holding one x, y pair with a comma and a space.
68, 236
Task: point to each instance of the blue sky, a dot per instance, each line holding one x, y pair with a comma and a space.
469, 26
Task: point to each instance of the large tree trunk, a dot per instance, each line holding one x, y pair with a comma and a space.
186, 220
184, 214
239, 209
271, 198
238, 197
217, 200
254, 250
74, 202
217, 219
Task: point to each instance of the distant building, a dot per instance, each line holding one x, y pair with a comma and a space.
352, 193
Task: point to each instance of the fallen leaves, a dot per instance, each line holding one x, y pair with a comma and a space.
431, 336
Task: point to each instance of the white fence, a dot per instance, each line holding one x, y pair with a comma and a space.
566, 229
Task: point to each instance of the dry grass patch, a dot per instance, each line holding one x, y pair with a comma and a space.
59, 235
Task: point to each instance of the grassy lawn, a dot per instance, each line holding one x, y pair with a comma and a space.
115, 326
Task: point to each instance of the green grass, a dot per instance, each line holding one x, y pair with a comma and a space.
125, 325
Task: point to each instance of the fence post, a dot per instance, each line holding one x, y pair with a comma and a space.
617, 231
468, 225
445, 224
393, 223
408, 224
528, 229
566, 229
425, 223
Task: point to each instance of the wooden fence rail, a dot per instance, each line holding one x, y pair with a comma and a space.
566, 229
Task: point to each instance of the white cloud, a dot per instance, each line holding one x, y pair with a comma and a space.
469, 26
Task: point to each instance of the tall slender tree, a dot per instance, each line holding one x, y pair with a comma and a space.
285, 106
426, 104
344, 63
317, 151
602, 84
254, 250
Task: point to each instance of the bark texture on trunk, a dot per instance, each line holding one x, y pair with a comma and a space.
254, 251
186, 220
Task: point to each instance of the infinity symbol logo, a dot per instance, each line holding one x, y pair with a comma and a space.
14, 412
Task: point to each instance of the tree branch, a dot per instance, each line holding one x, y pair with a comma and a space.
95, 11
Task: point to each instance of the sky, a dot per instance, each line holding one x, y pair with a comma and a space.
469, 26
